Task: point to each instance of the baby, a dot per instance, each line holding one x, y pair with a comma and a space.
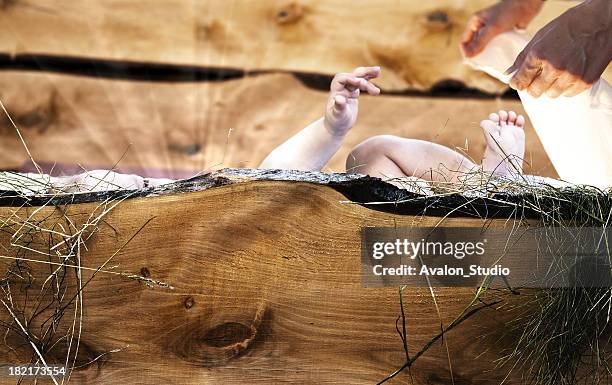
390, 157
407, 163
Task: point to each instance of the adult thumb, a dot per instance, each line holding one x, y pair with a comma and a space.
479, 41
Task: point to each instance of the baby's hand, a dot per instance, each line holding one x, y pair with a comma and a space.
341, 111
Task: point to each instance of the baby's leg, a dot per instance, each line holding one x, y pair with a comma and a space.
505, 140
388, 156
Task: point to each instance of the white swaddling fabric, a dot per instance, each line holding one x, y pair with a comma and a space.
576, 132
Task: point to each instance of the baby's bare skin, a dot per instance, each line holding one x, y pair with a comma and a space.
385, 156
312, 147
505, 137
388, 156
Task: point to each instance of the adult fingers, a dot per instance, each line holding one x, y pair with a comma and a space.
576, 88
472, 38
556, 89
567, 84
518, 62
563, 82
474, 23
526, 74
480, 40
543, 81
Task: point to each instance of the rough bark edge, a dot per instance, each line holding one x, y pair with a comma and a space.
368, 191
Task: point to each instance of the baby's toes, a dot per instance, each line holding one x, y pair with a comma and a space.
520, 121
503, 117
494, 117
511, 117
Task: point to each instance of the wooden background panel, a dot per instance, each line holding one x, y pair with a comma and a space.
191, 127
291, 281
416, 42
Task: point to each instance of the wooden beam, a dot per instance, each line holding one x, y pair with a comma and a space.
185, 128
416, 42
252, 282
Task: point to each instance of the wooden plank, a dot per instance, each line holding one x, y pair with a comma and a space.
416, 42
185, 127
251, 301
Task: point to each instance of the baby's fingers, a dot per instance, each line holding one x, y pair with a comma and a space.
367, 72
352, 83
339, 103
370, 88
344, 81
365, 86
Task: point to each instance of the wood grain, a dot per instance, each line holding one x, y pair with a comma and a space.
416, 42
178, 129
252, 301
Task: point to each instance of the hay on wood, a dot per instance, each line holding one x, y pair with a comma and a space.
560, 335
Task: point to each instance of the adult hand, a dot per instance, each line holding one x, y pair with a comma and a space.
504, 16
569, 54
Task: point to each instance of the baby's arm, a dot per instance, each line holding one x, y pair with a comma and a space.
311, 148
388, 156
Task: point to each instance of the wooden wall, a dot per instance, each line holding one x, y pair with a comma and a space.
252, 301
276, 301
414, 41
185, 128
176, 129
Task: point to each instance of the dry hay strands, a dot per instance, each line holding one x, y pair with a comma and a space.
542, 332
42, 248
555, 336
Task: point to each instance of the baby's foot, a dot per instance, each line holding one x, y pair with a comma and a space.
505, 140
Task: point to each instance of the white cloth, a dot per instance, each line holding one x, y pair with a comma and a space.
90, 181
576, 132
